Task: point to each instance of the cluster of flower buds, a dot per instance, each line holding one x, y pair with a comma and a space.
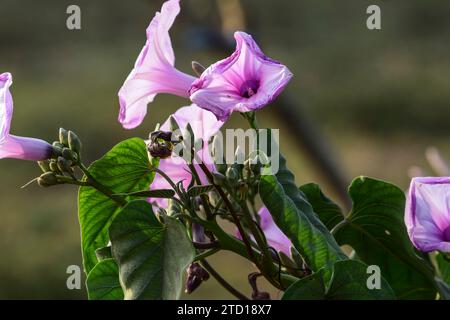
242, 176
195, 276
65, 156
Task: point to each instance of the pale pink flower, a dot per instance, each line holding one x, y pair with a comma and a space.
154, 70
13, 146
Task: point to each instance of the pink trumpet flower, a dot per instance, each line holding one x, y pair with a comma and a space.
246, 81
13, 146
154, 70
427, 215
274, 236
204, 125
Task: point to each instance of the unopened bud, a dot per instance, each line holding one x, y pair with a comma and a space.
232, 175
64, 165
48, 179
69, 154
195, 276
219, 178
198, 233
74, 142
160, 144
44, 165
63, 137
54, 166
57, 144
56, 151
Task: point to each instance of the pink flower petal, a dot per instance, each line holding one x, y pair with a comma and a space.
427, 214
245, 81
154, 70
14, 146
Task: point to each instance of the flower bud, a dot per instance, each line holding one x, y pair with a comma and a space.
63, 137
219, 178
47, 179
74, 142
54, 166
160, 144
56, 151
64, 165
195, 276
232, 175
57, 144
69, 154
44, 165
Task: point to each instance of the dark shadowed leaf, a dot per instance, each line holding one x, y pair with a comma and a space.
152, 256
348, 282
103, 281
328, 211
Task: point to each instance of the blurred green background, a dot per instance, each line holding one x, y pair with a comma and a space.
378, 97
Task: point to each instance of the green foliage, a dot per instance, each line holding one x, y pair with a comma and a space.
348, 282
124, 169
295, 217
152, 256
329, 212
103, 281
376, 231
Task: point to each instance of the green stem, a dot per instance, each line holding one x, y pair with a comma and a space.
206, 254
120, 201
231, 209
204, 198
66, 180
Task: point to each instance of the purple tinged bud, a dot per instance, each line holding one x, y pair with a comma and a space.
195, 276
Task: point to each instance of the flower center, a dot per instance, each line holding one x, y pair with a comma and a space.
447, 234
249, 88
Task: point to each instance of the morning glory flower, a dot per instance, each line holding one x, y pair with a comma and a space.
204, 126
274, 236
13, 146
247, 80
427, 215
154, 70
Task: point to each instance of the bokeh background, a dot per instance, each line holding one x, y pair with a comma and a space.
377, 99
